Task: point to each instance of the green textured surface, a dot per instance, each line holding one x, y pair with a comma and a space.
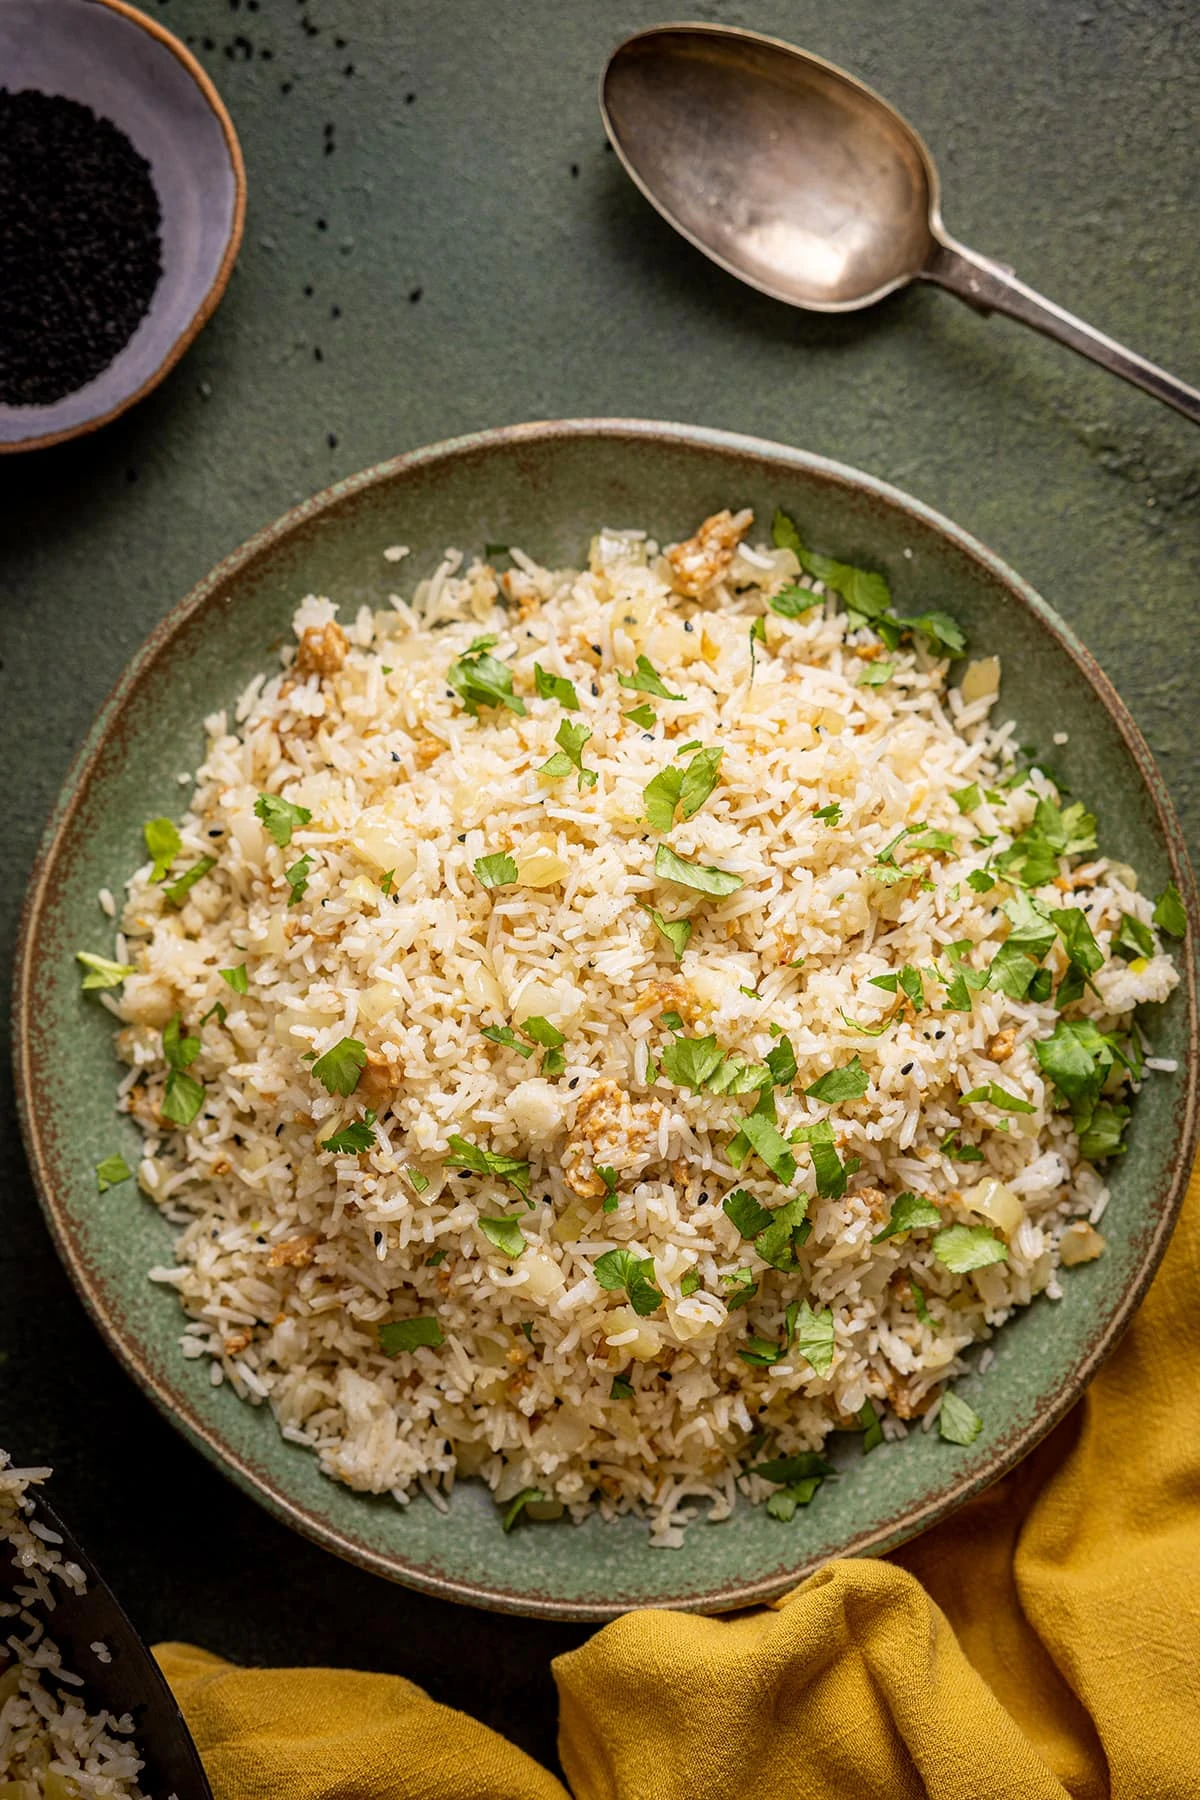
1065, 134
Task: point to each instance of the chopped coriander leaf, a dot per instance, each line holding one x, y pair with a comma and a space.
1032, 931
479, 680
699, 780
647, 680
782, 1237
889, 983
465, 1155
498, 870
760, 1353
352, 1140
398, 1335
910, 1212
527, 1331
297, 879
671, 1020
340, 1067
553, 1062
876, 674
958, 1423
179, 1052
740, 1288
870, 1030
517, 1506
660, 796
829, 815
101, 972
967, 799
621, 1389
692, 1062
238, 978
1133, 939
507, 1236
504, 1034
784, 535
571, 739
951, 1147
164, 844
701, 877
435, 1259
961, 1248
750, 993
1033, 857
111, 1172
1101, 1136
887, 874
847, 1083
643, 715
280, 817
555, 687
690, 1284
1079, 942
806, 1465
912, 987
676, 931
783, 1502
1169, 914
980, 881
217, 1011
761, 1134
793, 601
542, 1031
828, 1168
868, 1424
618, 1269
814, 1338
419, 1183
176, 892
920, 1307
744, 1211
387, 881
782, 1062
611, 1197
994, 1095
182, 1098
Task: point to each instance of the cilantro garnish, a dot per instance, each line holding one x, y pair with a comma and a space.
686, 788
1169, 914
101, 972
435, 1259
1077, 1056
828, 815
1033, 856
876, 674
793, 601
700, 876
980, 881
782, 1062
951, 1147
479, 680
740, 1288
690, 1284
642, 715
504, 1034
571, 739
745, 1212
1132, 939
399, 1335
814, 1338
176, 892
352, 1139
692, 1062
760, 1133
828, 1168
472, 1157
621, 1389
1016, 962
555, 687
183, 1095
804, 1466
676, 931
517, 1506
964, 1247
786, 1231
958, 1423
340, 1067
910, 1212
867, 595
994, 1095
1083, 952
280, 817
216, 1011
760, 1353
618, 1269
919, 1307
164, 844
111, 1172
847, 1083
967, 799
507, 1236
297, 879
868, 1424
498, 870
611, 1197
647, 680
671, 1020
420, 1183
238, 978
543, 1032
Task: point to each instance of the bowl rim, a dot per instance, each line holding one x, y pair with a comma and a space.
210, 301
264, 1485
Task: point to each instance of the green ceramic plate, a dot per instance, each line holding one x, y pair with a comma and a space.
547, 487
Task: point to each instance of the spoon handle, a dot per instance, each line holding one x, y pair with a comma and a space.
989, 287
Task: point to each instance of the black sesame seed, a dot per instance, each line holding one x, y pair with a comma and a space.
308, 290
688, 626
597, 649
415, 296
462, 837
595, 690
278, 1129
318, 354
216, 831
703, 1199
575, 169
395, 756
378, 1237
939, 1034
574, 1082
907, 1069
322, 225
409, 98
335, 312
285, 87
331, 438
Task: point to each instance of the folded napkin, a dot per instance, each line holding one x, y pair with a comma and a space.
1043, 1642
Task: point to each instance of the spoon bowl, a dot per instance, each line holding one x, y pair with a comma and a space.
804, 182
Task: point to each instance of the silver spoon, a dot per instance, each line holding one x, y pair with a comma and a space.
804, 182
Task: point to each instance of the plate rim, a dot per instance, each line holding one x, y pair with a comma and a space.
264, 1487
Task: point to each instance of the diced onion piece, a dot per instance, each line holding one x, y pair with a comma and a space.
622, 1319
982, 679
540, 868
1080, 1243
544, 1277
995, 1202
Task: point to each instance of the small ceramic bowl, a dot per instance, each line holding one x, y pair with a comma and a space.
130, 71
547, 487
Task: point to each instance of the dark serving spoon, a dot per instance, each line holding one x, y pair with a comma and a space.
131, 1683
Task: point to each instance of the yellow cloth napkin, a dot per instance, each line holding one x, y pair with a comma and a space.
1044, 1642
